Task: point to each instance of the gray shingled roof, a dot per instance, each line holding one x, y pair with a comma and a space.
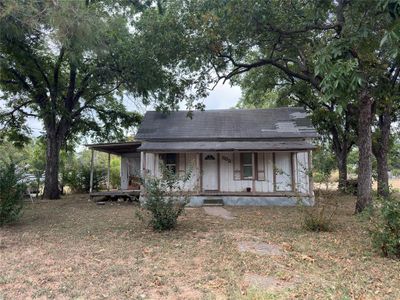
227, 124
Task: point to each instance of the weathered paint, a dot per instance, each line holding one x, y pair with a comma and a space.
130, 166
283, 169
295, 166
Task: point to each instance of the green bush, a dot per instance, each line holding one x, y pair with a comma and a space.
352, 187
77, 177
324, 164
165, 198
385, 229
11, 193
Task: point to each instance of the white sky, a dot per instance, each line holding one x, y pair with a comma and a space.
223, 96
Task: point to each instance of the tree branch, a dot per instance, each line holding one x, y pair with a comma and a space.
324, 27
21, 79
69, 101
56, 73
243, 67
94, 97
19, 109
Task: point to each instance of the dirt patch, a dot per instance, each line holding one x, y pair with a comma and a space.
260, 248
218, 212
268, 283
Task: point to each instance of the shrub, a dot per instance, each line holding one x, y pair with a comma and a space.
324, 164
11, 193
352, 187
165, 198
320, 217
77, 177
385, 231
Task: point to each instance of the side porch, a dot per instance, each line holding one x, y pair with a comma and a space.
129, 170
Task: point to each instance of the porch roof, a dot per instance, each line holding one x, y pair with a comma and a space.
116, 148
225, 146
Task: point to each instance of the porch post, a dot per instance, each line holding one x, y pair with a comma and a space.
310, 175
201, 171
91, 171
108, 172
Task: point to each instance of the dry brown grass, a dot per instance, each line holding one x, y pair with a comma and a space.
73, 248
333, 184
395, 183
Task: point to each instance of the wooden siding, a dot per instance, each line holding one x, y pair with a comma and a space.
293, 164
130, 166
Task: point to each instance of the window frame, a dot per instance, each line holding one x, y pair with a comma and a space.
169, 166
242, 165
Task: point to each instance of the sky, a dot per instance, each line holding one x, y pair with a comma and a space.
221, 97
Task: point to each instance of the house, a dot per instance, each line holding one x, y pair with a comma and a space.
238, 157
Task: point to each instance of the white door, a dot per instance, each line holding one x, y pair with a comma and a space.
283, 171
210, 171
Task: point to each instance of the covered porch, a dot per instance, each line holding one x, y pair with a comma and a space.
237, 172
129, 170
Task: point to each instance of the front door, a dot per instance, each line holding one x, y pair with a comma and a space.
210, 171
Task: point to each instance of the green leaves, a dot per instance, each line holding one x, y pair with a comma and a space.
11, 192
165, 197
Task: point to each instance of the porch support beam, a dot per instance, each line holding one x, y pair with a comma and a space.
91, 171
310, 175
108, 171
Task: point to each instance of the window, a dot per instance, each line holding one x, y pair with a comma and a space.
170, 161
247, 165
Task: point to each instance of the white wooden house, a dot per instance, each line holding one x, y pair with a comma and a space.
238, 157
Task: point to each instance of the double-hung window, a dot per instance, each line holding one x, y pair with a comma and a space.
170, 161
247, 165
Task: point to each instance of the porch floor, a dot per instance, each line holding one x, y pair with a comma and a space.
252, 194
131, 194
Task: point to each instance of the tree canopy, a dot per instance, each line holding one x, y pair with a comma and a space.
336, 58
70, 63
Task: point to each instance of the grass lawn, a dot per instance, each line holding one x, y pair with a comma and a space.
73, 248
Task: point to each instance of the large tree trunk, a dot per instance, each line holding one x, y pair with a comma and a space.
51, 189
381, 149
341, 159
341, 146
364, 196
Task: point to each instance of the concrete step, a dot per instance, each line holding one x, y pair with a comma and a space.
213, 202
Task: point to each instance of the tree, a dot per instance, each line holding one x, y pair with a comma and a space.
333, 46
388, 106
72, 75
